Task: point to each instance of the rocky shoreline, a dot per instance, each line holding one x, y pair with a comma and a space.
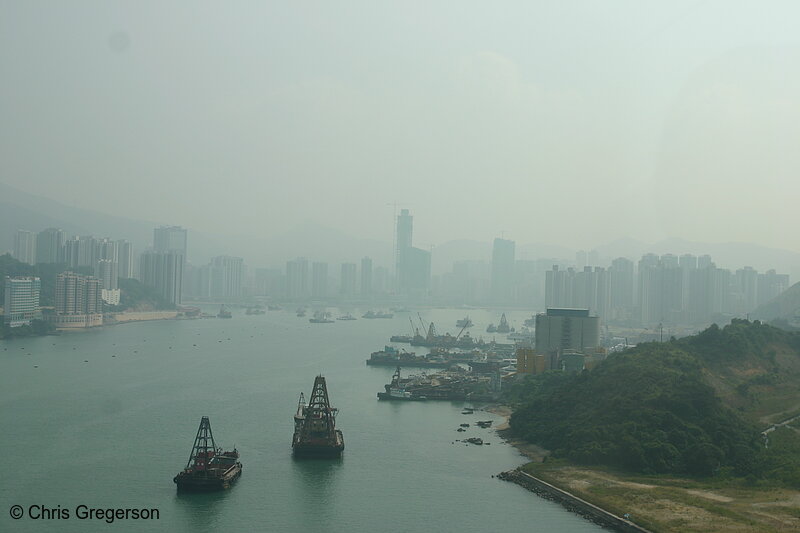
571, 502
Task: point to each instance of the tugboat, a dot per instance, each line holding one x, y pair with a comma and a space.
503, 327
209, 468
315, 433
223, 313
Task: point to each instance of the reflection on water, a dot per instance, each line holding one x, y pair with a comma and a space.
202, 509
316, 473
316, 482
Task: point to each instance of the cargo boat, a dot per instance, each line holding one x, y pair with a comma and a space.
391, 356
209, 468
315, 433
395, 390
465, 322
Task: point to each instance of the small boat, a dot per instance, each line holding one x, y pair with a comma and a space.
301, 312
321, 317
464, 322
209, 468
274, 307
348, 316
224, 313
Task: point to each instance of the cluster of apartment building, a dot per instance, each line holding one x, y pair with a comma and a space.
666, 289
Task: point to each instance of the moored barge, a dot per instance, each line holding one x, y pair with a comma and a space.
209, 468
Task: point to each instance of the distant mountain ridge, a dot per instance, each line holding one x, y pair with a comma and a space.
785, 306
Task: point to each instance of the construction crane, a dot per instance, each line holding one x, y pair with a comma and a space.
414, 331
424, 327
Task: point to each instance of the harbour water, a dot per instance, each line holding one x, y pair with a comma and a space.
106, 418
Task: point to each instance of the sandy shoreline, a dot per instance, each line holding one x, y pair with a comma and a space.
531, 451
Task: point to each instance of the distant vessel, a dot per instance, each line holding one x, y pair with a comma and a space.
315, 433
255, 310
379, 314
491, 329
464, 322
391, 356
400, 338
223, 313
348, 316
274, 307
321, 317
301, 312
503, 327
209, 468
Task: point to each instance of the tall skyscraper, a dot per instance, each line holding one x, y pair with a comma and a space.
366, 276
50, 246
125, 255
380, 282
621, 277
168, 238
226, 276
163, 271
503, 270
25, 246
413, 264
106, 265
405, 229
319, 280
347, 287
297, 279
172, 239
21, 302
106, 272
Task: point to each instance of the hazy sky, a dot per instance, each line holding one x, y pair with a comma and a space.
559, 121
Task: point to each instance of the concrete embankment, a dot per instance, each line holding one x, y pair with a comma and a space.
571, 502
138, 316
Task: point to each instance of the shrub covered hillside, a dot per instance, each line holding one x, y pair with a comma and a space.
665, 407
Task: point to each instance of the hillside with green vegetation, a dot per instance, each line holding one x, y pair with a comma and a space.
694, 406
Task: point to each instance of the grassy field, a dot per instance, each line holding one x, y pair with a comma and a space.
662, 503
